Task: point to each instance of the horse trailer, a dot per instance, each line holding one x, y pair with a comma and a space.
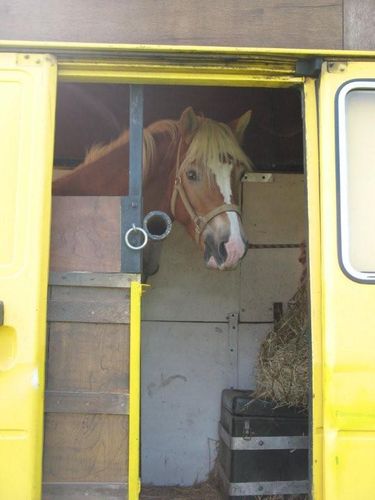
252, 151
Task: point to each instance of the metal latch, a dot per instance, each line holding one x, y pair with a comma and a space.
246, 432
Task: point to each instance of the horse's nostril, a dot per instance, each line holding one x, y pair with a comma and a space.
223, 251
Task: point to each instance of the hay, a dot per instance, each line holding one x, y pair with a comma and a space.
282, 497
282, 374
206, 491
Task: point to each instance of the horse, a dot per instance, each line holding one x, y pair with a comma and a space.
192, 170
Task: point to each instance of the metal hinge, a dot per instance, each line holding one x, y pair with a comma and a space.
337, 66
257, 177
1, 312
233, 331
233, 319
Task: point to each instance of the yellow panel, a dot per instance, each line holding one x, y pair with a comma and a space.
313, 210
352, 449
348, 324
178, 64
27, 103
113, 49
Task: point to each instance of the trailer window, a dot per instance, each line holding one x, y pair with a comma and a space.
356, 178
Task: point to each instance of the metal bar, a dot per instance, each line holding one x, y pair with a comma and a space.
250, 488
264, 442
131, 205
136, 139
269, 488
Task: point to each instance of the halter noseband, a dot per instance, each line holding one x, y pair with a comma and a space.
200, 221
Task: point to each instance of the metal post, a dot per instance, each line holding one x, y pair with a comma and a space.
131, 205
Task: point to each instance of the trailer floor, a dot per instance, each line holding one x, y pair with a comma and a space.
205, 491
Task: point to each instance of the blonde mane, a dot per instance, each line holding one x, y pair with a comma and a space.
213, 145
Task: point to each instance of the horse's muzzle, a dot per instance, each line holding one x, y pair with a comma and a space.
224, 255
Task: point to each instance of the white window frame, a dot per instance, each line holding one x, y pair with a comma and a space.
342, 181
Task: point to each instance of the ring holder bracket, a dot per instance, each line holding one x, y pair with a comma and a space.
135, 229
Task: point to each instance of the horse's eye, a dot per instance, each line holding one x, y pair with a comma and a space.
192, 175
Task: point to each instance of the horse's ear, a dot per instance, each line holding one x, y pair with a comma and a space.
240, 125
188, 123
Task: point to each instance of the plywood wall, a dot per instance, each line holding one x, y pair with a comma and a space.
190, 352
329, 24
87, 387
251, 23
359, 21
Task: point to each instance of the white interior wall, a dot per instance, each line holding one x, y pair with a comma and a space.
189, 353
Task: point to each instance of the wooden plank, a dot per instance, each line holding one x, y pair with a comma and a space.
270, 275
77, 491
86, 313
105, 280
274, 212
275, 23
88, 357
85, 448
359, 20
88, 305
87, 402
85, 234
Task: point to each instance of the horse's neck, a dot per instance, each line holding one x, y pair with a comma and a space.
108, 175
160, 178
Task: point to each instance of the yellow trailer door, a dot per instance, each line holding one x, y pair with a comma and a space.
27, 106
347, 185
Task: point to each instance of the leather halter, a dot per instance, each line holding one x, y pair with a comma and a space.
200, 221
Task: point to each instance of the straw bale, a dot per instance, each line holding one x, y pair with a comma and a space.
282, 371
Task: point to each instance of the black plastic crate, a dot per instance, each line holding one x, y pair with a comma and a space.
263, 449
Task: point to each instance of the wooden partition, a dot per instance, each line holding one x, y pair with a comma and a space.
87, 383
85, 234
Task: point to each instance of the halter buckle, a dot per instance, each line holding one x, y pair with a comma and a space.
198, 223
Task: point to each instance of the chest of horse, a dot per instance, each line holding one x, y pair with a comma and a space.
263, 451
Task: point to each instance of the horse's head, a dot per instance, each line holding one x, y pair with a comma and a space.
206, 197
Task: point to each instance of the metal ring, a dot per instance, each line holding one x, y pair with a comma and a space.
136, 229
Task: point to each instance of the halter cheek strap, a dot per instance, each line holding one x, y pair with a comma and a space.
200, 221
